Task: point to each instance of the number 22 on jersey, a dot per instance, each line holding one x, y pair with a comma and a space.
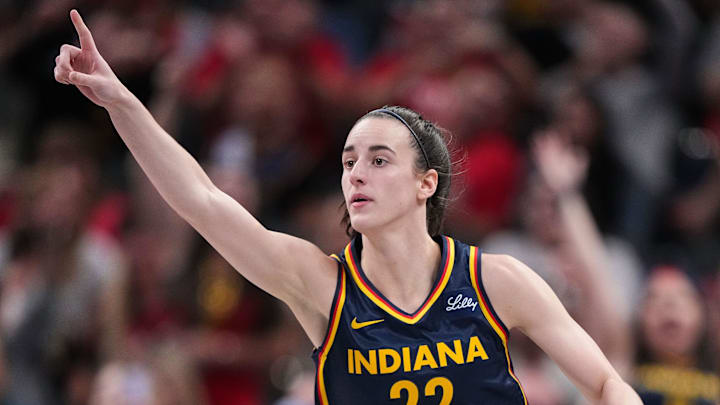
430, 390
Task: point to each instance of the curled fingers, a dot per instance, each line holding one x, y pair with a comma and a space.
67, 54
63, 63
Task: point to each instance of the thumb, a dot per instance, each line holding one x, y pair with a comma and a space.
82, 79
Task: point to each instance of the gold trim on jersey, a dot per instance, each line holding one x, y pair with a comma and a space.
499, 330
329, 339
385, 305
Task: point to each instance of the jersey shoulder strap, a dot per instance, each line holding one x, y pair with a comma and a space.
475, 269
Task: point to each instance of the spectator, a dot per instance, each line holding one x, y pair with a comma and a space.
61, 296
674, 364
562, 241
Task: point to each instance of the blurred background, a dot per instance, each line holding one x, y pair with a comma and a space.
586, 135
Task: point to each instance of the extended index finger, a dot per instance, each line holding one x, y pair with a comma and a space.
86, 39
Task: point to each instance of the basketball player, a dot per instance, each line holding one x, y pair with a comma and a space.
403, 315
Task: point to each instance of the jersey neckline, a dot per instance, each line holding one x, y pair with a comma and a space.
447, 260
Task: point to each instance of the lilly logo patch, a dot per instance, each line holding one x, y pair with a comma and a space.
460, 302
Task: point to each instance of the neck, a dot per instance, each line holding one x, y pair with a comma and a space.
676, 359
402, 264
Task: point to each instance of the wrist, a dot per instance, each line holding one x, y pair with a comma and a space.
567, 193
123, 101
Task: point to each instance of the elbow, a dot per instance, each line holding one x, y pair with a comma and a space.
194, 204
615, 391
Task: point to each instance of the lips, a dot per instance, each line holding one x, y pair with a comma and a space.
671, 327
359, 200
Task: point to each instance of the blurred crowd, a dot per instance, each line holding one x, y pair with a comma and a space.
586, 136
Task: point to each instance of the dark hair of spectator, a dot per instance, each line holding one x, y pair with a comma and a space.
435, 141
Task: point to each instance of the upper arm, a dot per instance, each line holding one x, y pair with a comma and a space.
524, 301
287, 267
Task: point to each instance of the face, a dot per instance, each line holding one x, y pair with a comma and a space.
672, 315
578, 118
540, 213
486, 97
380, 184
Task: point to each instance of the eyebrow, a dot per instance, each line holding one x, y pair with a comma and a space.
372, 148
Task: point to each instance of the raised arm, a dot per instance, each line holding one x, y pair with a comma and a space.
563, 170
284, 266
524, 301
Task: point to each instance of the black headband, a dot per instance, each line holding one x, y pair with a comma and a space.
399, 118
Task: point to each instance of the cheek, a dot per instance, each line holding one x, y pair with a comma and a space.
650, 318
399, 182
345, 183
694, 319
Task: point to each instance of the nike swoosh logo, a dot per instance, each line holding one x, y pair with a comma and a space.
357, 325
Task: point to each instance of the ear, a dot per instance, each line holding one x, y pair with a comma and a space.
428, 184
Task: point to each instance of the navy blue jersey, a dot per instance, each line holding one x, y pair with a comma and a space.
452, 350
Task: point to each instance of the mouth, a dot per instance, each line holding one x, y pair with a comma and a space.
671, 327
359, 200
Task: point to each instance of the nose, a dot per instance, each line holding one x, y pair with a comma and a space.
357, 175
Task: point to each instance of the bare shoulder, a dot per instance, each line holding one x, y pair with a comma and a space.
505, 273
512, 287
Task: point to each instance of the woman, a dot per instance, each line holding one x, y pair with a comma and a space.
674, 363
370, 311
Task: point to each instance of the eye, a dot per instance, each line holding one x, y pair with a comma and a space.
348, 164
378, 161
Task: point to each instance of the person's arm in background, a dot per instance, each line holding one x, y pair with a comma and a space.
564, 169
284, 266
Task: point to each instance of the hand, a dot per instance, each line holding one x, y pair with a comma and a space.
85, 68
562, 167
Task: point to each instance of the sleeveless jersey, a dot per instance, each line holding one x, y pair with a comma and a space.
452, 350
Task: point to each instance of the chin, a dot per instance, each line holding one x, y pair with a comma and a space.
363, 225
359, 227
